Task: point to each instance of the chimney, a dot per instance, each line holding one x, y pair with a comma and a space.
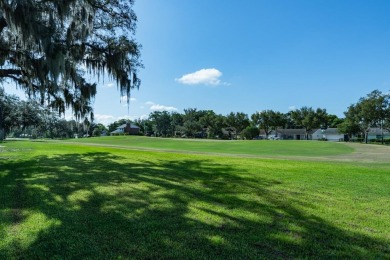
128, 126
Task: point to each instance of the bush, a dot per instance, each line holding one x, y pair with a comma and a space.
250, 132
96, 132
379, 141
357, 139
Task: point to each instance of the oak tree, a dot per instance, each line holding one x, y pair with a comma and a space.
56, 50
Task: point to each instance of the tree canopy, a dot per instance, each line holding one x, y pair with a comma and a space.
309, 119
52, 49
268, 120
370, 111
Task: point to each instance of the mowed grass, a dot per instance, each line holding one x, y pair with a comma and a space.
253, 147
74, 202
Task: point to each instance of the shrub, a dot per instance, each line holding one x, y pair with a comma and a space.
250, 132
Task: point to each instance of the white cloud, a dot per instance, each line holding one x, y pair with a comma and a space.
104, 119
109, 85
203, 76
126, 117
161, 108
291, 108
157, 107
124, 99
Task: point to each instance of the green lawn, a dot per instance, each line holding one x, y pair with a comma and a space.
255, 147
63, 202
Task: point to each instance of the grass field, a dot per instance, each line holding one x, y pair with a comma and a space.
73, 201
257, 147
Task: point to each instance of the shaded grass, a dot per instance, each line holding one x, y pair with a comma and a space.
89, 202
253, 147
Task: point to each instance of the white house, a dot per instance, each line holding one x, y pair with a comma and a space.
376, 133
127, 128
330, 134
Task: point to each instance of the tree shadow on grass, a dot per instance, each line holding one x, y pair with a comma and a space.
99, 205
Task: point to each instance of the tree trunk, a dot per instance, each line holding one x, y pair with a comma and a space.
2, 132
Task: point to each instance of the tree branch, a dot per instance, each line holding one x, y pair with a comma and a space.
10, 72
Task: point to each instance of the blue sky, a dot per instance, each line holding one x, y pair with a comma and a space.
251, 55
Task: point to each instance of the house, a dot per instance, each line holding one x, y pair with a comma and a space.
128, 128
332, 134
375, 133
293, 134
329, 134
286, 134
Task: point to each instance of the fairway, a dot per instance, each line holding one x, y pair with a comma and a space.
254, 147
76, 201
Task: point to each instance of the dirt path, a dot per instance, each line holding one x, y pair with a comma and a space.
363, 153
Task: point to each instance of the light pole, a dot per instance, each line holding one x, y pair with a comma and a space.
382, 130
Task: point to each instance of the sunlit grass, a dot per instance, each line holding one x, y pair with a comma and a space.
91, 202
251, 147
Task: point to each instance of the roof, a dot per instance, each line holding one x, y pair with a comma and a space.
377, 131
293, 131
124, 125
287, 132
262, 132
328, 131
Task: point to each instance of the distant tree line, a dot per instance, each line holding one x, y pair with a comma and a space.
28, 118
195, 123
370, 111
